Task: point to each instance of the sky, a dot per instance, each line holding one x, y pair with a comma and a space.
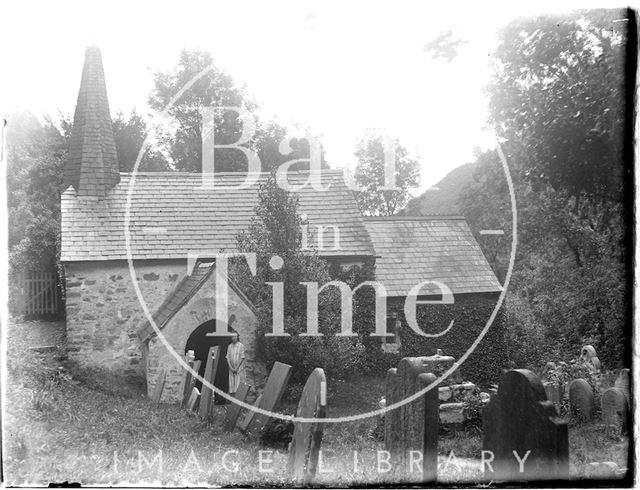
338, 68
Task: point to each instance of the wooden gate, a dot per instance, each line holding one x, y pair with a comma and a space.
39, 294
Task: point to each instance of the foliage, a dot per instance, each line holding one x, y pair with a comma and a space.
129, 135
36, 153
373, 199
557, 102
470, 314
276, 230
181, 139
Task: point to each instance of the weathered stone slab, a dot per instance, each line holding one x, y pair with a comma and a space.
159, 386
520, 418
307, 436
615, 409
273, 390
452, 413
581, 399
414, 425
234, 409
192, 405
209, 375
190, 380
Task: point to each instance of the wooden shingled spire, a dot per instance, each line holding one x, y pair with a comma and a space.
92, 166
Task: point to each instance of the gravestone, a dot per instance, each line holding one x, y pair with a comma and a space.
555, 393
157, 390
581, 399
273, 390
190, 381
615, 409
521, 419
209, 375
414, 425
588, 356
192, 405
622, 383
234, 409
307, 436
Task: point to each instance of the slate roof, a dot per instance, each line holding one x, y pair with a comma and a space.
181, 294
92, 165
413, 250
172, 214
175, 300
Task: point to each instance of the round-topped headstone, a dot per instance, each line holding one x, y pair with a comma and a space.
615, 408
581, 399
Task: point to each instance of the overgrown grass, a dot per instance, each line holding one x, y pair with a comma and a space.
86, 426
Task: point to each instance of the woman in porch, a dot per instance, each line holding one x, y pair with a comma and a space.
235, 360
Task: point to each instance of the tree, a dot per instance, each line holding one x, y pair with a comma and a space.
36, 154
276, 231
182, 138
557, 101
129, 135
373, 199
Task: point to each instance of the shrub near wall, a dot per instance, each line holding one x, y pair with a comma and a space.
470, 314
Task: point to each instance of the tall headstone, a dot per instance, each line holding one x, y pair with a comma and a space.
273, 390
307, 436
210, 370
581, 399
190, 380
519, 422
411, 431
615, 409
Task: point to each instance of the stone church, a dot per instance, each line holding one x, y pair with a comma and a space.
127, 241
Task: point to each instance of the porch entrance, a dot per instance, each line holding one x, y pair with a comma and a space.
200, 343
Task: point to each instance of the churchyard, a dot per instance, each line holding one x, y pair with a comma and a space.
67, 424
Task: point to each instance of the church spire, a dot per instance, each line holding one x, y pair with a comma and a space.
92, 165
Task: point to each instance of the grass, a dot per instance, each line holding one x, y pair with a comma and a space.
62, 423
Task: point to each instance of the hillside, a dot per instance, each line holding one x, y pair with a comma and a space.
444, 200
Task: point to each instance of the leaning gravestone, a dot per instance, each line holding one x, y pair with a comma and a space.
615, 409
521, 419
209, 376
234, 410
192, 404
273, 390
307, 436
581, 399
412, 429
190, 381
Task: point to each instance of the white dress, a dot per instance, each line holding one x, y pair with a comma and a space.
235, 355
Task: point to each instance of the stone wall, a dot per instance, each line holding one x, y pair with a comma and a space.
103, 311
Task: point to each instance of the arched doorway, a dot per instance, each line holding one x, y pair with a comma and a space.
200, 343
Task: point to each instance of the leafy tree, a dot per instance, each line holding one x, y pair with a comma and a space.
276, 230
182, 138
373, 199
129, 135
36, 154
557, 101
